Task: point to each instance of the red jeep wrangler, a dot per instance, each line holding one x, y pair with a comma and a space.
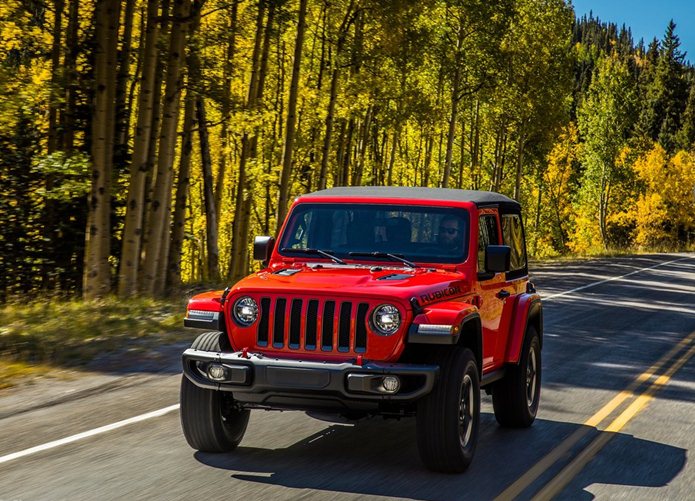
375, 301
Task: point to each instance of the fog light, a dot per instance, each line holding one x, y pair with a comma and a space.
217, 372
390, 384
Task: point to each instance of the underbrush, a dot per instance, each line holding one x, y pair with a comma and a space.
38, 334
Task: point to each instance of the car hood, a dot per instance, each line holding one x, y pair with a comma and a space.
425, 284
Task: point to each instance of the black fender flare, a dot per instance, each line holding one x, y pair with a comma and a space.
471, 336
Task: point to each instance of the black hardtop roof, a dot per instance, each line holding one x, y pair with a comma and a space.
444, 194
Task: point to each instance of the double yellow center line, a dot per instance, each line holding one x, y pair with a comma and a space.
555, 486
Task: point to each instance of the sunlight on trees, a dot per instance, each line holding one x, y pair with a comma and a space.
145, 143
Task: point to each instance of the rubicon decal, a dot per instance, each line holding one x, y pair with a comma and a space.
440, 294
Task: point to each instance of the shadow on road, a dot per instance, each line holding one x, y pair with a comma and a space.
642, 464
606, 336
380, 458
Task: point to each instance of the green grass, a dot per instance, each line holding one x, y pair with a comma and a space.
10, 372
611, 253
68, 334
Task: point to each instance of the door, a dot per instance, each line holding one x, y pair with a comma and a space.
516, 278
489, 283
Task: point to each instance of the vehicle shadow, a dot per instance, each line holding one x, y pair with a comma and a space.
380, 458
642, 464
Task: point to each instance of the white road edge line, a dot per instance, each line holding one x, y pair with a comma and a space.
611, 279
171, 408
89, 433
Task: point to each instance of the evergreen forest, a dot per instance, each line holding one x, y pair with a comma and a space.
144, 143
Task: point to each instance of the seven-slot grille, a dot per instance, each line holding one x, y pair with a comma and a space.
314, 324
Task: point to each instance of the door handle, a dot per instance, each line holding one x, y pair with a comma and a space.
503, 294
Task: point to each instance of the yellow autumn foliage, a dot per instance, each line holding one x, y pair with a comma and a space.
651, 215
665, 211
586, 238
557, 184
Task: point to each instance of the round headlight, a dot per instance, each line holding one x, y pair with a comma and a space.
386, 319
245, 311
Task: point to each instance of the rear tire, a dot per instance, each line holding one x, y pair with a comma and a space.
516, 397
211, 420
448, 418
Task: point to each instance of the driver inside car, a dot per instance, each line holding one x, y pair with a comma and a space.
450, 236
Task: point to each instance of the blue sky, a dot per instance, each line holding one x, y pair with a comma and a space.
646, 18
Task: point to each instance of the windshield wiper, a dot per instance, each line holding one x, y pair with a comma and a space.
318, 252
393, 257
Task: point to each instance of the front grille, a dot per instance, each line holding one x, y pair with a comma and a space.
312, 319
313, 325
328, 326
279, 327
263, 324
344, 329
295, 323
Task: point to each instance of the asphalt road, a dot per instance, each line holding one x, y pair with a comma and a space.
600, 341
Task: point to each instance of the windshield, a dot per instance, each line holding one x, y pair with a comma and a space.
416, 233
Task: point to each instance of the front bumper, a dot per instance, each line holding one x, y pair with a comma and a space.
264, 382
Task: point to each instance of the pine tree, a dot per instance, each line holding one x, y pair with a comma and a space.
686, 135
665, 91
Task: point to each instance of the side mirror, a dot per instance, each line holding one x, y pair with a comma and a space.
497, 258
263, 248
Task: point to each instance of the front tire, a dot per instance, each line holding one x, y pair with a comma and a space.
516, 397
448, 418
211, 420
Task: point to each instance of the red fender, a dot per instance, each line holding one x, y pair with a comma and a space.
445, 313
526, 306
208, 301
456, 313
204, 311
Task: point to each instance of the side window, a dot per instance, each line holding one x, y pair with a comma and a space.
513, 234
487, 235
